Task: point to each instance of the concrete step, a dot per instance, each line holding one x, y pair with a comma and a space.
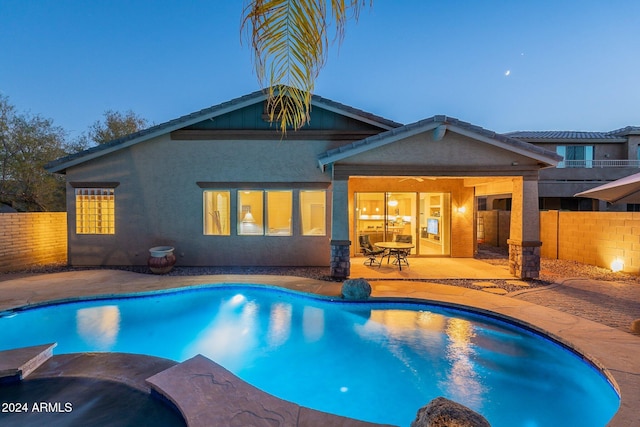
18, 363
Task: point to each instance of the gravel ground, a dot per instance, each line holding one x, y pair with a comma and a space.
554, 270
551, 271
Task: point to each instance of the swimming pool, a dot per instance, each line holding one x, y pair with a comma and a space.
376, 361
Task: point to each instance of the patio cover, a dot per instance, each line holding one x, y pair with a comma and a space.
623, 190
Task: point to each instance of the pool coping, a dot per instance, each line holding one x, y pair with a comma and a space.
614, 352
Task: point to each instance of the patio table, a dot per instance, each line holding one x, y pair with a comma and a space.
394, 248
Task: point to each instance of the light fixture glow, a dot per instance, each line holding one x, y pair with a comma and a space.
617, 265
462, 209
393, 203
248, 218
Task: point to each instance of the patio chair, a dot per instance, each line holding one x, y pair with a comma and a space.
370, 251
402, 254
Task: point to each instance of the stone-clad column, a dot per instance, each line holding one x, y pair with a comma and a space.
340, 263
524, 235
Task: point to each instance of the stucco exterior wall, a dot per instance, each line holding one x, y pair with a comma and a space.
158, 201
32, 239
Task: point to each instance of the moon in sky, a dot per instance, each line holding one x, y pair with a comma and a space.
507, 73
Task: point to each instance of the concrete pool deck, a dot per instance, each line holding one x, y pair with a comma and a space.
612, 350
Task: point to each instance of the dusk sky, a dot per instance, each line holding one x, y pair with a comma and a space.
503, 65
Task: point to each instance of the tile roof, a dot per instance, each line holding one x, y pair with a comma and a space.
554, 135
60, 164
424, 126
628, 130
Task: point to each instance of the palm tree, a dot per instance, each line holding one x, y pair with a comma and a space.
289, 40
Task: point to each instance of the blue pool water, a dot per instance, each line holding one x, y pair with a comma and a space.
375, 361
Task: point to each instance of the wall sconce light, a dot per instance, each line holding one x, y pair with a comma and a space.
393, 203
617, 265
461, 209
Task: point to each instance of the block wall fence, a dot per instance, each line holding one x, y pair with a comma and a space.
32, 239
594, 238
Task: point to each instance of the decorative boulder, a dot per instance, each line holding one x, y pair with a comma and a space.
442, 412
635, 326
356, 289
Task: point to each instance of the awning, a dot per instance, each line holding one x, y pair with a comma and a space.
623, 190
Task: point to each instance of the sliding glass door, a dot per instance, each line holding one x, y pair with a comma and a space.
435, 228
384, 216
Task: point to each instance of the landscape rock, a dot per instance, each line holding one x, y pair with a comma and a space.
442, 412
356, 289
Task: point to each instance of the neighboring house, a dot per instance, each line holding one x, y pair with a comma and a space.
224, 187
590, 159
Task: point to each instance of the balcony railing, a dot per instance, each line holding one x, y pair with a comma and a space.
599, 164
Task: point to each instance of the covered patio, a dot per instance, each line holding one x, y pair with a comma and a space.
423, 181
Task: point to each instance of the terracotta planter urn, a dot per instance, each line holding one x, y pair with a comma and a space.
161, 259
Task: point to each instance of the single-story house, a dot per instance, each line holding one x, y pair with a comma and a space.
225, 188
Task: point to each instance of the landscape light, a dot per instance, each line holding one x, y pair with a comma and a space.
617, 265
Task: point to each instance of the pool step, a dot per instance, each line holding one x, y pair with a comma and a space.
207, 394
18, 363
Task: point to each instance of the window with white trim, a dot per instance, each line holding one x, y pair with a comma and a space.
264, 212
95, 210
279, 206
251, 213
313, 205
217, 213
575, 156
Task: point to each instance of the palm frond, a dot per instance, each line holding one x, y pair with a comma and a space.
290, 43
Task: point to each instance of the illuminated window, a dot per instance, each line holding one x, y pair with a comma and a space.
279, 205
217, 213
95, 211
250, 213
313, 213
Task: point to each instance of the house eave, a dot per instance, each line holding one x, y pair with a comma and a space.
545, 157
60, 165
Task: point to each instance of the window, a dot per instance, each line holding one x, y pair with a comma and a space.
575, 156
279, 205
313, 213
259, 210
264, 212
217, 213
95, 211
250, 213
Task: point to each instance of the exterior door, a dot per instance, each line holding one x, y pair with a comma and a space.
384, 215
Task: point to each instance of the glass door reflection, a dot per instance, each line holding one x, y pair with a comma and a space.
384, 216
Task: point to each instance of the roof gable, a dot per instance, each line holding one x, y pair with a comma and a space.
439, 125
229, 112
